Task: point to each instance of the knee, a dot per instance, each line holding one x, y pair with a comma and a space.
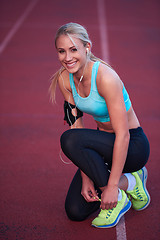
65, 141
64, 137
74, 213
68, 140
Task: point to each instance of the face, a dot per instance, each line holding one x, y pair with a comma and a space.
71, 53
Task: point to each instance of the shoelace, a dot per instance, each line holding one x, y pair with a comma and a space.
109, 213
106, 213
138, 194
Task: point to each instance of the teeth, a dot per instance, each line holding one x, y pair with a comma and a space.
70, 64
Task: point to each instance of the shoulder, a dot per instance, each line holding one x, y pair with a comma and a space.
107, 75
63, 80
107, 79
64, 75
64, 85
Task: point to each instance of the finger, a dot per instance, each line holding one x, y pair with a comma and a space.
103, 206
89, 197
94, 192
92, 198
96, 199
111, 205
115, 204
106, 206
95, 195
85, 197
90, 194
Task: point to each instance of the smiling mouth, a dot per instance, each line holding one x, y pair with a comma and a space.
70, 64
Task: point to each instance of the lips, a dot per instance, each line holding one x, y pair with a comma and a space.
70, 65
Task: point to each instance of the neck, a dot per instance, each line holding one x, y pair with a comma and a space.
80, 74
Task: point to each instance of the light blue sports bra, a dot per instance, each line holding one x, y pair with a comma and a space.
94, 104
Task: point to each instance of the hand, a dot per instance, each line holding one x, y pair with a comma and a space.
88, 191
109, 197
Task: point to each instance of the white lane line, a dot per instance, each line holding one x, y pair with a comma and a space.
17, 25
120, 228
103, 30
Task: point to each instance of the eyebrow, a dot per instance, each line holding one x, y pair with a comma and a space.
69, 48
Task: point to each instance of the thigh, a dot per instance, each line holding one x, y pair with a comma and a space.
76, 206
75, 140
89, 149
138, 151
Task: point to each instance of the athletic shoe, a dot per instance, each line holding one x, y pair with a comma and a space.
109, 218
140, 197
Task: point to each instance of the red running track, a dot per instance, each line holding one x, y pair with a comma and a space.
33, 179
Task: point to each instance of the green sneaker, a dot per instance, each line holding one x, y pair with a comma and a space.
140, 197
109, 218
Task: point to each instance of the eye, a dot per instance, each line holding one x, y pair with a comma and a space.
74, 49
61, 51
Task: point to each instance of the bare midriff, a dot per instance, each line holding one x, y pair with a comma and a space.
132, 122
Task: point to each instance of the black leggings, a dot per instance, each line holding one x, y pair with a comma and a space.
91, 151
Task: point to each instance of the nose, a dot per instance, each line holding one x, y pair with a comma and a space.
68, 56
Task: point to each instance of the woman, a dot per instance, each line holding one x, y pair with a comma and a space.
117, 146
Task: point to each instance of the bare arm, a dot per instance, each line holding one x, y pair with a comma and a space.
65, 88
111, 90
87, 191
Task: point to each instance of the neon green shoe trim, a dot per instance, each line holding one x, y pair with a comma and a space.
140, 197
109, 218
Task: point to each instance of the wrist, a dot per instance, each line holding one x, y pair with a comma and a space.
83, 175
109, 186
112, 185
113, 182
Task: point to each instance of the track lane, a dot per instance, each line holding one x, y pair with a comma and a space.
29, 140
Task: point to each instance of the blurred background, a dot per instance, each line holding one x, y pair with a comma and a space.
33, 179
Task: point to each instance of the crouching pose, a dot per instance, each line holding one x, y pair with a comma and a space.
111, 159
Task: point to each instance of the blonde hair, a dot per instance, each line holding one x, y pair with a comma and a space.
79, 32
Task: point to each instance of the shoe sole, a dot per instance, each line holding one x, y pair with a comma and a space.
122, 212
144, 181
